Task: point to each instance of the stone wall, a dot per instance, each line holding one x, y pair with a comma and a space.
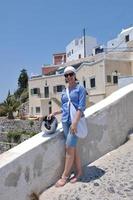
7, 125
38, 162
19, 125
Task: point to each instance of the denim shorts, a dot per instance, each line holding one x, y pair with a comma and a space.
71, 139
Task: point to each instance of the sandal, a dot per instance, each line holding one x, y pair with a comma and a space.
62, 181
74, 179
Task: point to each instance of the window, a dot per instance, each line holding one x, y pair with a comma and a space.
35, 91
126, 38
84, 83
49, 102
115, 79
92, 82
69, 53
37, 109
108, 78
58, 88
46, 92
79, 55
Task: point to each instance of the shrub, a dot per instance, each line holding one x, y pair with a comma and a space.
2, 111
31, 122
14, 136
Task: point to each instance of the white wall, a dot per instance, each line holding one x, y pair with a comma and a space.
76, 47
119, 42
124, 80
38, 162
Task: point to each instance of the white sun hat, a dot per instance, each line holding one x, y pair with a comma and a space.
69, 69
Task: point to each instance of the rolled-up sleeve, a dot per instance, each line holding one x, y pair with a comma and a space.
82, 98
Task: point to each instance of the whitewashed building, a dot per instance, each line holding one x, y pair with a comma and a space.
80, 48
123, 40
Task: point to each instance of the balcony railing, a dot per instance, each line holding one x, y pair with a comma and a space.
42, 95
47, 96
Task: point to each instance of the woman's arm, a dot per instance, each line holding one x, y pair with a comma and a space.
81, 108
55, 113
75, 122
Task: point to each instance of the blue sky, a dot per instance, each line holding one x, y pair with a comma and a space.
32, 30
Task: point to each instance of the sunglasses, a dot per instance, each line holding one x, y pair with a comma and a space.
70, 74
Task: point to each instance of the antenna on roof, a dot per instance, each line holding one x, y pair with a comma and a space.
84, 43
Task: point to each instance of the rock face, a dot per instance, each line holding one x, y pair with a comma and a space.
108, 178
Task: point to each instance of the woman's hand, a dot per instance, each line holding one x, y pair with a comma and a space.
54, 114
74, 124
73, 127
50, 115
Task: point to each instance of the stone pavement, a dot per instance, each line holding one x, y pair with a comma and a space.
108, 178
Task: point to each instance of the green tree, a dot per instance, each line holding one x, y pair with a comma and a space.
10, 105
22, 92
24, 95
20, 96
23, 80
2, 111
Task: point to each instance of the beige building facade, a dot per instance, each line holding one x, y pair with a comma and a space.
98, 74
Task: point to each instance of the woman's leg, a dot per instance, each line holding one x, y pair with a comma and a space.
71, 144
69, 160
71, 141
77, 162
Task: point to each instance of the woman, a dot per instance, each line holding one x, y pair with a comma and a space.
78, 98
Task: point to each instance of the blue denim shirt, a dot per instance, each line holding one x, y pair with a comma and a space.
78, 98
